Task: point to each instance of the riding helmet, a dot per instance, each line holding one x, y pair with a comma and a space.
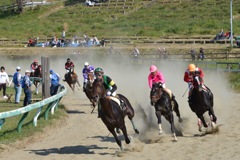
86, 64
98, 70
153, 68
35, 61
191, 67
68, 59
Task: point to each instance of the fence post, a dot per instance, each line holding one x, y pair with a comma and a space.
227, 55
45, 77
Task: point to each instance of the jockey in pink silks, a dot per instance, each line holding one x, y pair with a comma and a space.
156, 76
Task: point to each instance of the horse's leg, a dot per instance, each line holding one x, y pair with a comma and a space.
36, 87
116, 138
158, 114
124, 130
176, 110
170, 119
201, 121
212, 115
133, 125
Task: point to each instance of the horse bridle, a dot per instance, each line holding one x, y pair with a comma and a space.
156, 97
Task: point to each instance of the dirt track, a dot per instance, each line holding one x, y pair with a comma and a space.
84, 136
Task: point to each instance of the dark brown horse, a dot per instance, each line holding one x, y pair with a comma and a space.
164, 105
38, 74
202, 101
88, 89
72, 78
111, 113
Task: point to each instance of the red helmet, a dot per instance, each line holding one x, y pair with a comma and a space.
35, 61
153, 68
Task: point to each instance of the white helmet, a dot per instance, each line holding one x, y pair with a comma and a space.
18, 68
86, 64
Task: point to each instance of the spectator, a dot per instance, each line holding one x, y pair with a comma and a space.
63, 33
201, 54
102, 43
111, 50
26, 85
95, 40
31, 42
54, 82
135, 52
160, 53
3, 81
193, 54
17, 85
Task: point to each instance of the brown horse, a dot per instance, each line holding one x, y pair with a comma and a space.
111, 113
71, 78
88, 89
38, 74
164, 105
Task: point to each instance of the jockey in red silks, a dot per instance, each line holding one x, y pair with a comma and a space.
34, 66
156, 76
68, 65
191, 73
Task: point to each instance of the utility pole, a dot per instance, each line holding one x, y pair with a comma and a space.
231, 24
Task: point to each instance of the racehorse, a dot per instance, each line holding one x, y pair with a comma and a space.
202, 101
111, 113
37, 73
164, 105
88, 89
71, 78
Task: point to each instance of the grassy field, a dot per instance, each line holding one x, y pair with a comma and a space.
187, 18
9, 134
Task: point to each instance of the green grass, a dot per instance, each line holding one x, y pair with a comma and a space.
206, 17
9, 134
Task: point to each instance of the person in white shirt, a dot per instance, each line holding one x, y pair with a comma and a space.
4, 79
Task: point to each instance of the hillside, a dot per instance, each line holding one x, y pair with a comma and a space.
156, 18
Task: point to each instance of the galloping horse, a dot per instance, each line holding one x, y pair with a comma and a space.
111, 113
37, 73
202, 101
71, 78
88, 89
164, 105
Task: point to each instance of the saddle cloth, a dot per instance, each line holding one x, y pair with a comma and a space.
115, 99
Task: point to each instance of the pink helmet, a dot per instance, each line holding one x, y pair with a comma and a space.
35, 60
153, 68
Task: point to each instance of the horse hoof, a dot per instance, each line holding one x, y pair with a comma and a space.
180, 120
160, 132
137, 131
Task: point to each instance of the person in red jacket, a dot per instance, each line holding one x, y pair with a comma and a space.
68, 65
189, 75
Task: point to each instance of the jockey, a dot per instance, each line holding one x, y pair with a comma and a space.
191, 73
156, 76
109, 85
68, 65
34, 66
86, 69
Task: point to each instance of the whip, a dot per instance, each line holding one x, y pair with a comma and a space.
185, 92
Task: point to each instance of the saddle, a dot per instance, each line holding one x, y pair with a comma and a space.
120, 102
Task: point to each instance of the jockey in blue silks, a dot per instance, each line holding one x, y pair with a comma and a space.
86, 69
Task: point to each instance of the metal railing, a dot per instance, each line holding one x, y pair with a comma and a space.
52, 103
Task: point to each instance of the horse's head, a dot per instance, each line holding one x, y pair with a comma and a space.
197, 82
90, 78
98, 90
71, 70
156, 91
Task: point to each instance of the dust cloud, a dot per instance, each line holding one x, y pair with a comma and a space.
131, 80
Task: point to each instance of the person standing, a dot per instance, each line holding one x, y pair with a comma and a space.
193, 54
4, 79
17, 84
136, 52
54, 82
63, 33
26, 85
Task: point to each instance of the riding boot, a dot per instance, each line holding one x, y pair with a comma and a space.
99, 111
122, 105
